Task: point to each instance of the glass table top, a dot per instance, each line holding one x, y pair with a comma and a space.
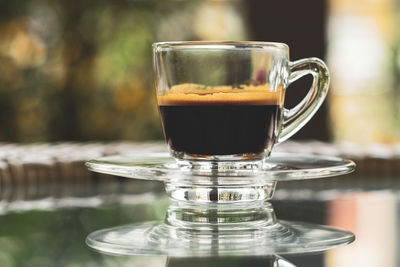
51, 230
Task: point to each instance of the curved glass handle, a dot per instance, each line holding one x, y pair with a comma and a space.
294, 119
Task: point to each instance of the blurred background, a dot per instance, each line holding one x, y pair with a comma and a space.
82, 71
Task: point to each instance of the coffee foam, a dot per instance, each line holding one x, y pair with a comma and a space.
196, 94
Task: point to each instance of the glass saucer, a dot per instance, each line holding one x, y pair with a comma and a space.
239, 184
221, 211
278, 167
144, 239
195, 231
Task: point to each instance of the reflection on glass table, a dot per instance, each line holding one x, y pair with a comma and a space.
264, 261
51, 231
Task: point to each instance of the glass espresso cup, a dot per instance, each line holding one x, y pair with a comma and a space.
222, 103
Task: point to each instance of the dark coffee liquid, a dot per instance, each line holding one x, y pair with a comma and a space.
220, 129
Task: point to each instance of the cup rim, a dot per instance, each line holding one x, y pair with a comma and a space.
220, 44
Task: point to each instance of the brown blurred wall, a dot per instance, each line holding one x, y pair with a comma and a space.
301, 25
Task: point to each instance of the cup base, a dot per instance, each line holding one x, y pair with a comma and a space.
183, 156
219, 167
219, 164
218, 192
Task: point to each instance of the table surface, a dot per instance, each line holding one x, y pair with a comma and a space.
49, 229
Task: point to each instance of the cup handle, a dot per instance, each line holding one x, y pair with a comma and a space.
294, 119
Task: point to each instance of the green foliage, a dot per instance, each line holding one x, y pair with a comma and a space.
57, 237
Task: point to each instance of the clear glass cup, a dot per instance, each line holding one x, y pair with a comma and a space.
222, 103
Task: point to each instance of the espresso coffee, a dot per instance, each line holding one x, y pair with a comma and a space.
215, 122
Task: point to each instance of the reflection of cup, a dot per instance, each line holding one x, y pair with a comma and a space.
223, 101
265, 261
